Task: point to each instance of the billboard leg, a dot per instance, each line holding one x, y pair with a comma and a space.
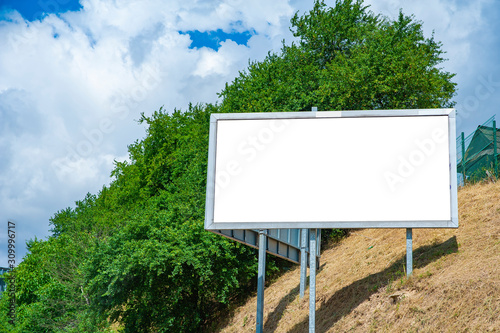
261, 278
312, 280
409, 252
303, 261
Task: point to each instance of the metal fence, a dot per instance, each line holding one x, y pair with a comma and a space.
477, 153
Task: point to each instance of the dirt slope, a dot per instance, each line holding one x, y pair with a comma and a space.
361, 286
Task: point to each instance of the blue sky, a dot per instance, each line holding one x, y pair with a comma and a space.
32, 10
35, 9
213, 39
75, 75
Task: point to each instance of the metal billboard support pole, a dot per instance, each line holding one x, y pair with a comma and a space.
261, 279
303, 261
409, 252
312, 280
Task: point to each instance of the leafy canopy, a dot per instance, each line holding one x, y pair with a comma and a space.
346, 58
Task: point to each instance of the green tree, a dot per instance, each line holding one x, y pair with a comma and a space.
162, 271
50, 285
346, 58
137, 252
49, 288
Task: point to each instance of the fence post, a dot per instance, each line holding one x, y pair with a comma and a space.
495, 162
463, 156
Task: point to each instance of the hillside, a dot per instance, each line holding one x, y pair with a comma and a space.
361, 285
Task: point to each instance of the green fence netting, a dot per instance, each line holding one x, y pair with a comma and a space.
477, 153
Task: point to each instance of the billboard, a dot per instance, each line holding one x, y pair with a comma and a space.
332, 169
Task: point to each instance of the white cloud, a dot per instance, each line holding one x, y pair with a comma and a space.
221, 62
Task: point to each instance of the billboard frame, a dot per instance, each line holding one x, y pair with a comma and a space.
210, 224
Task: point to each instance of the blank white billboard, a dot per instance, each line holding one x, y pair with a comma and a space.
349, 169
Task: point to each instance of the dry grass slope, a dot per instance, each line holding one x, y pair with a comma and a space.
361, 285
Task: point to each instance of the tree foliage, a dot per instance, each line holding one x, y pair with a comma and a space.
346, 58
50, 294
137, 252
162, 271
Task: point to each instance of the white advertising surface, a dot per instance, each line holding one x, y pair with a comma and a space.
349, 169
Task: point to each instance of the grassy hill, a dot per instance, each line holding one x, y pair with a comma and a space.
361, 284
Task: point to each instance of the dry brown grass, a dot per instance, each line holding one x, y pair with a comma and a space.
455, 285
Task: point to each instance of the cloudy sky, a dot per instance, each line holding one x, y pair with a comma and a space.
75, 76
